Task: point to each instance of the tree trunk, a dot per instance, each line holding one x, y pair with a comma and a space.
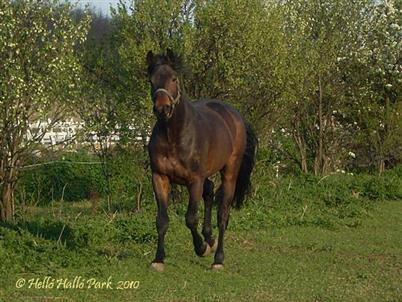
9, 178
383, 139
381, 167
319, 159
7, 202
304, 162
302, 151
107, 176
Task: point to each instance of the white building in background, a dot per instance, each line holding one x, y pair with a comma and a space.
66, 131
55, 133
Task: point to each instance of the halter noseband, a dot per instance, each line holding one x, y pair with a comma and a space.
174, 101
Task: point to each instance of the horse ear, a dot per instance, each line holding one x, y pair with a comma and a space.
150, 58
170, 55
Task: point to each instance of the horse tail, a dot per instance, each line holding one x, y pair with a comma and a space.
243, 183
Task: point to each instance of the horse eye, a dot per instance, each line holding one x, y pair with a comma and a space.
174, 79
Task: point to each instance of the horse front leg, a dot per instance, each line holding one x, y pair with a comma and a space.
161, 186
208, 196
195, 191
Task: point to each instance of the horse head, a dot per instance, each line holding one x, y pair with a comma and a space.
165, 87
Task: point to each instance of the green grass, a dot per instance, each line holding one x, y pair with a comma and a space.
294, 263
297, 239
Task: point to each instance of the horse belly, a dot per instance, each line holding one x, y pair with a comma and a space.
222, 129
220, 150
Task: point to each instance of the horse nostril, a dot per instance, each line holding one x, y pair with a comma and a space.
162, 111
166, 109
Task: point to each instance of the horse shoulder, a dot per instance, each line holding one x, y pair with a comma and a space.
157, 150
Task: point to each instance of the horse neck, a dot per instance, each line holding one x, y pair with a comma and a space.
181, 120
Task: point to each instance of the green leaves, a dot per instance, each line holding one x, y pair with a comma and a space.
37, 51
303, 66
38, 72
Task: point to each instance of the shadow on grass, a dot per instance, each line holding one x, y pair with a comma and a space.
56, 231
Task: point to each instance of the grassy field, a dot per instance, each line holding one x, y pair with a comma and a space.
276, 250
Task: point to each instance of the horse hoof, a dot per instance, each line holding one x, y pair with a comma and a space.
207, 250
158, 266
215, 246
217, 267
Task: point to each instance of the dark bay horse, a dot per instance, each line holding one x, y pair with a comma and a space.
190, 142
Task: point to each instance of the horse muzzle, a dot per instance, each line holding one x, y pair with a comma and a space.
163, 112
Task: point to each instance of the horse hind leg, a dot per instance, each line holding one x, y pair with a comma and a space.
201, 247
219, 199
208, 196
225, 197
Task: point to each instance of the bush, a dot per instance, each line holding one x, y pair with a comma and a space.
62, 176
130, 177
65, 175
331, 201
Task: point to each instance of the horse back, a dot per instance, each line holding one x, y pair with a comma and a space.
224, 112
228, 127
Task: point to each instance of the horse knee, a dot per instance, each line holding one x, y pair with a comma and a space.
223, 222
208, 189
191, 220
162, 223
223, 215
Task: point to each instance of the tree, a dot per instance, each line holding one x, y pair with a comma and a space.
319, 35
98, 107
295, 66
231, 50
236, 51
38, 76
147, 24
375, 82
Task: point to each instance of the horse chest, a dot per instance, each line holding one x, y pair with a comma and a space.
178, 170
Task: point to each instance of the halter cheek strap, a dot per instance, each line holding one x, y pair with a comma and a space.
175, 100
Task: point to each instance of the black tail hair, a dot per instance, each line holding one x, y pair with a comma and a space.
243, 183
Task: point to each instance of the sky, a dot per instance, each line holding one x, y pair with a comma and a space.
102, 5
